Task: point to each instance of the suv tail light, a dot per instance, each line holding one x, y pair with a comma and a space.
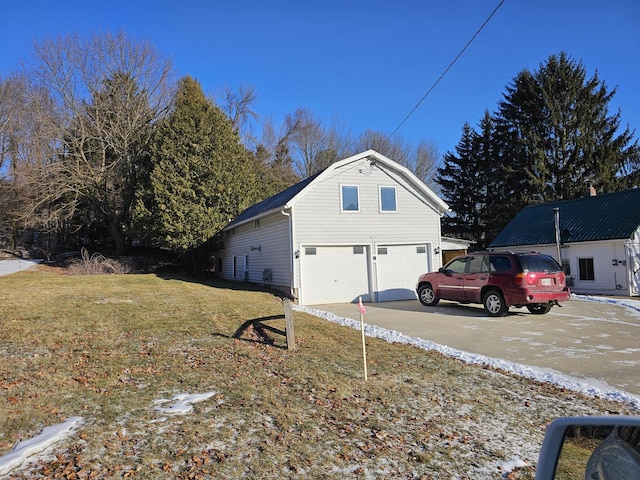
525, 278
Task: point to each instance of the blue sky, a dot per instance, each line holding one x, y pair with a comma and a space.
365, 62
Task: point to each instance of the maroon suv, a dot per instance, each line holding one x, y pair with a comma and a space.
497, 280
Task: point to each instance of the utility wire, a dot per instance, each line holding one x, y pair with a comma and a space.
445, 72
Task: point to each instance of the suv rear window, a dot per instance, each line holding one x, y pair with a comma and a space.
538, 263
500, 263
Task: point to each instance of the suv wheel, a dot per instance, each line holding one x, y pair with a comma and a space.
427, 296
539, 308
494, 304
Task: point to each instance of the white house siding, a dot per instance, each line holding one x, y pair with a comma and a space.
611, 265
633, 262
266, 247
319, 221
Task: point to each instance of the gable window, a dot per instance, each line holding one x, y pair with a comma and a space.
350, 198
388, 199
586, 269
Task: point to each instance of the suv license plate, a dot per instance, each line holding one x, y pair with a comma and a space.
546, 281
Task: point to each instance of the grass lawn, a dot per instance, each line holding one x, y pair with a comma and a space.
109, 348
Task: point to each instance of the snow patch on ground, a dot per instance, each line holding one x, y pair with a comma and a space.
36, 445
182, 404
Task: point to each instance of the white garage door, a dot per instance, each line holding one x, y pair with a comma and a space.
398, 268
333, 274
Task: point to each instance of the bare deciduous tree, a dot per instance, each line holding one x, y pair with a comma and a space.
238, 106
99, 97
313, 146
422, 160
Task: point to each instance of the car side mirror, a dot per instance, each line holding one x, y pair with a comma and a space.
598, 448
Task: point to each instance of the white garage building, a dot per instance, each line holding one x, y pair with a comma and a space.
364, 227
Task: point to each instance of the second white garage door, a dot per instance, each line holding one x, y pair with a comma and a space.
334, 274
397, 269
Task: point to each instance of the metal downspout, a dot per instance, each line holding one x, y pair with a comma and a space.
291, 253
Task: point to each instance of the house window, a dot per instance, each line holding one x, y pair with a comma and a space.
586, 269
235, 266
382, 250
256, 223
310, 250
566, 267
358, 250
388, 199
350, 198
421, 249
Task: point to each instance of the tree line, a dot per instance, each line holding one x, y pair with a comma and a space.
99, 140
551, 138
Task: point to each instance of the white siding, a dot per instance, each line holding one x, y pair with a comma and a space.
318, 210
633, 263
318, 219
609, 278
274, 253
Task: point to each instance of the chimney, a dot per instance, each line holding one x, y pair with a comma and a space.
591, 190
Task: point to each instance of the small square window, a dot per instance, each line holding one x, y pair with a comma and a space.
586, 269
350, 198
310, 250
388, 199
421, 249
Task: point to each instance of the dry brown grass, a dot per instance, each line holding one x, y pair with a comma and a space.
109, 347
96, 264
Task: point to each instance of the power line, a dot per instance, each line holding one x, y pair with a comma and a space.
445, 71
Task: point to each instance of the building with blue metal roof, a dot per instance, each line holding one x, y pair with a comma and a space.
598, 239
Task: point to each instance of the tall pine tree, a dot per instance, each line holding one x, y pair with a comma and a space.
459, 187
556, 134
200, 179
551, 135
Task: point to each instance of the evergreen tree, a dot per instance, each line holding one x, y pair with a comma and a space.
488, 184
470, 183
556, 134
459, 187
273, 174
201, 177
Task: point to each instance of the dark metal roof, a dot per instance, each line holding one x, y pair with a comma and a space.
276, 201
601, 217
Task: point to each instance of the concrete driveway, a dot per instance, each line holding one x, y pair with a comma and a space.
584, 339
